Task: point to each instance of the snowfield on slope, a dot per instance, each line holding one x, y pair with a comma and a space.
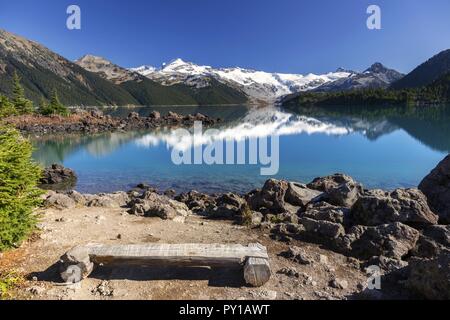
259, 85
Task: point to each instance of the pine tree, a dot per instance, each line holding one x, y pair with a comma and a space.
55, 106
19, 193
44, 107
22, 104
6, 107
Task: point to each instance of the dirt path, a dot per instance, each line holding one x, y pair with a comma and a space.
61, 230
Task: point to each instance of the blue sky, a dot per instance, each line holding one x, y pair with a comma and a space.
279, 35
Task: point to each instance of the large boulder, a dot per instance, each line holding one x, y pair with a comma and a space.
270, 197
280, 196
322, 230
430, 278
339, 189
326, 212
436, 187
408, 206
299, 194
110, 200
153, 204
393, 240
57, 177
433, 241
228, 206
439, 233
196, 201
155, 115
59, 201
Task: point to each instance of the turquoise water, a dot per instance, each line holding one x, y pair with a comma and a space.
382, 148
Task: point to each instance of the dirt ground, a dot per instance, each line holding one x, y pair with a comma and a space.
61, 230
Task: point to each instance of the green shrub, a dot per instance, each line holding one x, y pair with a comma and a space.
19, 193
8, 282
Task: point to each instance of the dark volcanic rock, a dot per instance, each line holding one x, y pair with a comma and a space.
430, 278
408, 206
439, 233
339, 189
326, 212
436, 187
95, 122
270, 197
153, 204
228, 206
390, 240
433, 241
196, 201
279, 196
322, 230
57, 177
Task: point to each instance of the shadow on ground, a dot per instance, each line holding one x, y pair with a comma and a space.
216, 277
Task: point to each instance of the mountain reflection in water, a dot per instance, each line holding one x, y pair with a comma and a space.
382, 147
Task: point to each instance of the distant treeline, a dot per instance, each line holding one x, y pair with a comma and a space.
436, 93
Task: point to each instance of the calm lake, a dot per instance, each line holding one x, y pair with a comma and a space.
380, 147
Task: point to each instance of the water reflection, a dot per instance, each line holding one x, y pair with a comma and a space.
382, 147
257, 123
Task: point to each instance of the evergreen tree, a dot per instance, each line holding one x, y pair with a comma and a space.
44, 108
6, 107
19, 193
53, 107
56, 105
22, 104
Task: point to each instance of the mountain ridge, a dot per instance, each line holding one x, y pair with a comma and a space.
42, 71
259, 85
427, 72
374, 77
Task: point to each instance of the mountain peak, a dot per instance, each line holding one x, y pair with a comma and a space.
377, 67
106, 68
90, 58
340, 69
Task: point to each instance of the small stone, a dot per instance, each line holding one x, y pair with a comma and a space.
323, 259
36, 290
268, 294
298, 255
103, 289
290, 272
338, 284
119, 236
98, 219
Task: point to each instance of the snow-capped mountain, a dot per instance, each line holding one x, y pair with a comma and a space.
258, 85
377, 76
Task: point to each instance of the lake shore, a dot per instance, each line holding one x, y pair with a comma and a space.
95, 121
323, 238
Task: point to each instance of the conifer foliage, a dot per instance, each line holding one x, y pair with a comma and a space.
19, 193
22, 104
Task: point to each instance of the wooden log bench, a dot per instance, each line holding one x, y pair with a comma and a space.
79, 262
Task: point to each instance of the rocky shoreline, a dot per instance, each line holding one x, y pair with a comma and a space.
82, 121
405, 233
